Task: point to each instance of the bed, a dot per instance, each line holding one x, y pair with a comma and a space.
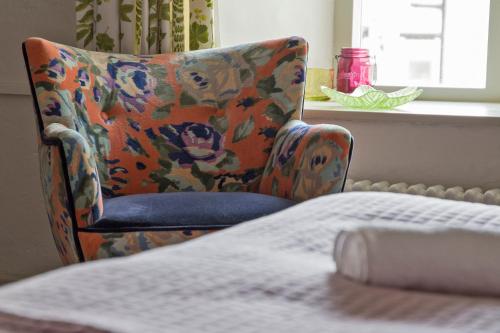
274, 274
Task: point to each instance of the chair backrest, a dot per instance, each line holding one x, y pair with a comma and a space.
195, 121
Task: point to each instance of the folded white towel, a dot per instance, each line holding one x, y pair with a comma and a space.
422, 258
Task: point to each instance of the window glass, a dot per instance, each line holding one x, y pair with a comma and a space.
433, 43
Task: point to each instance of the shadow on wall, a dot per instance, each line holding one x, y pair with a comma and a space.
26, 245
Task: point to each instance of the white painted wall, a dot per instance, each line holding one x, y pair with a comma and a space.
242, 21
424, 148
26, 245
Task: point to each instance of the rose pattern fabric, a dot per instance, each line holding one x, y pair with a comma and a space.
107, 245
289, 144
212, 120
213, 81
67, 57
321, 169
57, 203
56, 70
307, 161
132, 82
83, 78
290, 77
82, 171
194, 143
57, 108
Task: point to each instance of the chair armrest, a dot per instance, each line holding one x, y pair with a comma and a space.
80, 173
307, 161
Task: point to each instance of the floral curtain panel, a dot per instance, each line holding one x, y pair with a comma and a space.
144, 26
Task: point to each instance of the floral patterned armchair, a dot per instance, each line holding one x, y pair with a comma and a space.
138, 152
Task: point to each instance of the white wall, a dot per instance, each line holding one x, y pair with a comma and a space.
242, 21
450, 151
26, 245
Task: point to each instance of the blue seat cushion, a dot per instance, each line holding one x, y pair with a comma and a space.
186, 210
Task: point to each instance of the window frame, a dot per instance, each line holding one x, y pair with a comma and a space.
347, 23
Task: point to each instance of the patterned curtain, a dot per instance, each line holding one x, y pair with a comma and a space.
144, 26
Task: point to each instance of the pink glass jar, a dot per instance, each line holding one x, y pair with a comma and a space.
354, 68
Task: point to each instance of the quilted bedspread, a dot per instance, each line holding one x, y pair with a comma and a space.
274, 274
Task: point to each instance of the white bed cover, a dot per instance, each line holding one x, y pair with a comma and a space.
274, 274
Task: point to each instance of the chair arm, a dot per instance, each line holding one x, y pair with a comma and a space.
307, 161
80, 171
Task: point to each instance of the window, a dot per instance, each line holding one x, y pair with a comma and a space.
429, 43
465, 68
449, 47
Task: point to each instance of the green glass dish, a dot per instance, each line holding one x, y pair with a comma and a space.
367, 97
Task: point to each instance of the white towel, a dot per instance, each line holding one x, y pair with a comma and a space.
431, 259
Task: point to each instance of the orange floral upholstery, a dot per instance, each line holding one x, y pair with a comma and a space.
214, 120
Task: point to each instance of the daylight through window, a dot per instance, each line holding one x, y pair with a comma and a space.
433, 43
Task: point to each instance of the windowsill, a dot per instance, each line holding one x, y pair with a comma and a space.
417, 111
